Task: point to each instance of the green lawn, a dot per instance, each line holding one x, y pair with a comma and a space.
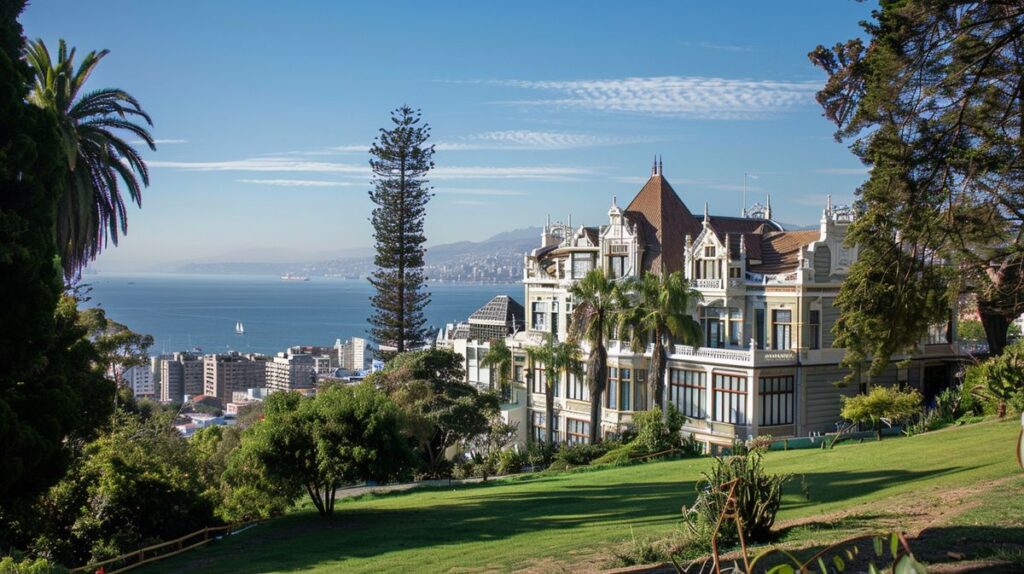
570, 521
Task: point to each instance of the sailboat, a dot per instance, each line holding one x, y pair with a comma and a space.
239, 328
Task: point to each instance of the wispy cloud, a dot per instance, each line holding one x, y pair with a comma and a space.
475, 191
507, 140
843, 171
719, 47
265, 164
680, 96
299, 165
469, 202
821, 200
160, 142
298, 182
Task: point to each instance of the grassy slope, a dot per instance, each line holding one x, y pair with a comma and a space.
573, 519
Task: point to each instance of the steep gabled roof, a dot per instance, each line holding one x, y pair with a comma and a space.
664, 222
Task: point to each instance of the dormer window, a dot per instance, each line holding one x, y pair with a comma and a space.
709, 251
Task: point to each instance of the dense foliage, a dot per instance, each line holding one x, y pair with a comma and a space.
999, 381
51, 395
344, 435
656, 309
401, 160
135, 485
439, 408
889, 403
933, 107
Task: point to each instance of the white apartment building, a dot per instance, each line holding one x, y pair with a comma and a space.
140, 380
289, 371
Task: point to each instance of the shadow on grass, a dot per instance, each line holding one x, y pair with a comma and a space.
828, 487
482, 513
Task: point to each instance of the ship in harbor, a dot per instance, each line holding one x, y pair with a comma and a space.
294, 277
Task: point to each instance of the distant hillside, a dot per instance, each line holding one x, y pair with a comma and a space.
498, 258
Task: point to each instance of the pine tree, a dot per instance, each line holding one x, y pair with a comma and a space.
401, 160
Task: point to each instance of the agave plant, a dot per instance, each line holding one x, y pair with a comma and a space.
91, 208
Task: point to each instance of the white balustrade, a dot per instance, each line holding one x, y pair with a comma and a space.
707, 283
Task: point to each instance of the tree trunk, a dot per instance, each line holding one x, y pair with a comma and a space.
656, 375
1001, 409
878, 430
996, 325
597, 380
549, 407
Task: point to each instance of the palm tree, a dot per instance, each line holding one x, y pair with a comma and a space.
595, 299
499, 358
91, 209
559, 358
657, 307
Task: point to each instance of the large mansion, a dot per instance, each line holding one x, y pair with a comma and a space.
767, 364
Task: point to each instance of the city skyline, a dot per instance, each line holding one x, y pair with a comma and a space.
262, 119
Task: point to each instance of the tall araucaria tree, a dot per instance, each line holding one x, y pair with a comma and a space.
401, 161
656, 308
91, 211
934, 105
593, 315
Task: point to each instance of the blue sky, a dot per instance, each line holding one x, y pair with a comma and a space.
264, 110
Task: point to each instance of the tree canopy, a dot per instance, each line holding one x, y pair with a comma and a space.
440, 409
932, 105
889, 403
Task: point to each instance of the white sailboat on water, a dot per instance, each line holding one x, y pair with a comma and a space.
239, 328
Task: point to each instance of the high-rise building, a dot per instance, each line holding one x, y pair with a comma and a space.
181, 375
224, 374
353, 354
140, 380
291, 371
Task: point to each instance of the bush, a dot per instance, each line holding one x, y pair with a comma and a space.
539, 454
880, 403
511, 461
758, 496
618, 456
583, 454
12, 565
655, 433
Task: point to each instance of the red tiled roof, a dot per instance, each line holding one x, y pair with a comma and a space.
664, 222
780, 251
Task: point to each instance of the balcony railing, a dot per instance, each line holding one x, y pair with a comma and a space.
707, 283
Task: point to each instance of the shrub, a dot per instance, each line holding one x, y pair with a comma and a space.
882, 403
583, 454
760, 443
758, 496
617, 456
655, 433
539, 454
511, 461
12, 565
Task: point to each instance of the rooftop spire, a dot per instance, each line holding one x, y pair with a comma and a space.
767, 205
661, 166
654, 166
707, 219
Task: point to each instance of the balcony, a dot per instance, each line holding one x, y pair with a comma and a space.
740, 357
707, 284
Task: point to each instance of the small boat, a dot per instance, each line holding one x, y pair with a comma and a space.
239, 328
293, 277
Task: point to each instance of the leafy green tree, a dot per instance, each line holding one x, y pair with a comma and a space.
656, 432
499, 358
1005, 376
119, 347
595, 305
135, 485
345, 435
440, 409
932, 105
888, 403
656, 308
559, 358
401, 160
91, 211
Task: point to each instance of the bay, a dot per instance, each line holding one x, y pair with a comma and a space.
183, 312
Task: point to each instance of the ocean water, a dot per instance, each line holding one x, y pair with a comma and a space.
187, 311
